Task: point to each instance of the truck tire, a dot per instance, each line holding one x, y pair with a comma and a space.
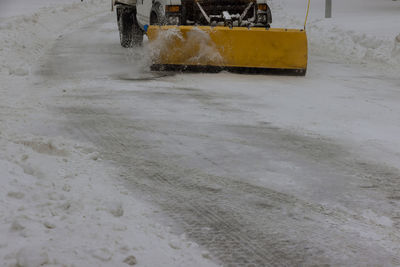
130, 32
157, 16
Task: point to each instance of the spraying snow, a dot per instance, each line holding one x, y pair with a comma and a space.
196, 43
206, 49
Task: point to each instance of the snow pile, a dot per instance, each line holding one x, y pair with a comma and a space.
360, 32
353, 47
11, 8
24, 38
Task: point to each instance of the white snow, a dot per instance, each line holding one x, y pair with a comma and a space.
10, 8
360, 31
378, 18
61, 204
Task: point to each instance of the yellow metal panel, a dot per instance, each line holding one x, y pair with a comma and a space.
229, 47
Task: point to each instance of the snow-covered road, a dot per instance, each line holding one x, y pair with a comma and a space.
257, 169
104, 163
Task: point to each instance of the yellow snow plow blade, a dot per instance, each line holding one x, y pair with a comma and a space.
236, 47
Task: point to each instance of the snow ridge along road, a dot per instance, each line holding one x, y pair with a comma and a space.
360, 32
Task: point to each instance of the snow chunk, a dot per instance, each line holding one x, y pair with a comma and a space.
20, 71
398, 38
16, 226
102, 254
175, 244
16, 195
116, 209
32, 257
206, 254
49, 225
130, 260
396, 48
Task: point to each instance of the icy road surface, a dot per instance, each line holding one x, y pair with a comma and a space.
262, 170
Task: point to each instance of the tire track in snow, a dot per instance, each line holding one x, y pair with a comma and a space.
240, 223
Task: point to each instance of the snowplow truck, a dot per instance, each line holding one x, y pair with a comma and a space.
226, 34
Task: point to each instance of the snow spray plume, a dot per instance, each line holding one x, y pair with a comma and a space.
207, 50
197, 46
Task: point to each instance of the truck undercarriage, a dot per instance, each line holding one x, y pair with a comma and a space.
233, 13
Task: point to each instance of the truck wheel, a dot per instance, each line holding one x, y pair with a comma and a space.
137, 32
269, 16
130, 32
157, 16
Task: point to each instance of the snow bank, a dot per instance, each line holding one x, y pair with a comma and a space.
24, 38
60, 204
360, 32
354, 47
11, 8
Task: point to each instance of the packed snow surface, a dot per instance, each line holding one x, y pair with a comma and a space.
104, 163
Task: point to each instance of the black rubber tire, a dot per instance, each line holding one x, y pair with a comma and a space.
269, 16
130, 32
157, 17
